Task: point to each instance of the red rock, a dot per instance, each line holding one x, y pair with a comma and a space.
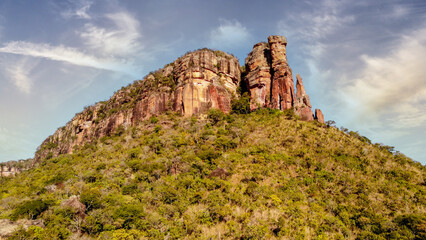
282, 94
258, 78
306, 114
302, 105
319, 116
191, 85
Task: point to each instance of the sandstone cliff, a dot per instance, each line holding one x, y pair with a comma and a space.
270, 80
191, 85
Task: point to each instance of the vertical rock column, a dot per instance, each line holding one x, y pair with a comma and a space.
258, 77
282, 89
302, 104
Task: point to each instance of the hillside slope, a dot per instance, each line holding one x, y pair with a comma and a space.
264, 175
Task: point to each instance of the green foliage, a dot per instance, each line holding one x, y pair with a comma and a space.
153, 119
91, 198
241, 105
30, 209
215, 115
259, 175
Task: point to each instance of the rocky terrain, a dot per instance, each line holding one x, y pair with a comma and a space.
11, 168
191, 85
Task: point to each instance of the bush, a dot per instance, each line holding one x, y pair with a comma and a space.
29, 209
153, 120
215, 115
91, 199
241, 105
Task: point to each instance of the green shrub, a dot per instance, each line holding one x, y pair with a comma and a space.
91, 198
215, 115
241, 105
29, 209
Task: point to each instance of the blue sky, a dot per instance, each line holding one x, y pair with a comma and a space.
363, 62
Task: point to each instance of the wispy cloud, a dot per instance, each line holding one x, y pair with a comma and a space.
229, 34
394, 84
67, 54
123, 38
313, 27
79, 10
19, 74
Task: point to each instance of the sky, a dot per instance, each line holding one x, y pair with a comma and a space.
363, 62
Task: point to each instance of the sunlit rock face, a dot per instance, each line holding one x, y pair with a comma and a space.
269, 80
191, 85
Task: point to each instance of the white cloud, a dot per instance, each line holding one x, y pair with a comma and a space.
67, 54
393, 86
19, 74
229, 34
315, 26
120, 40
80, 11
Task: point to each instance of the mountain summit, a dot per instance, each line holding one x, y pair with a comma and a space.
191, 85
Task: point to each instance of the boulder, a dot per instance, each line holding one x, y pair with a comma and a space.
319, 116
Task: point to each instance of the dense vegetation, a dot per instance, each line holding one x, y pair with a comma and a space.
263, 175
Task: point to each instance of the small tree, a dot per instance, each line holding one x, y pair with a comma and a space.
241, 105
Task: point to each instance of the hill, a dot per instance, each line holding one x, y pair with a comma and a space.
206, 149
265, 175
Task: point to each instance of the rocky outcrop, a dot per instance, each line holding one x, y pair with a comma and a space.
11, 168
302, 104
269, 80
258, 78
318, 116
269, 77
282, 89
6, 171
191, 85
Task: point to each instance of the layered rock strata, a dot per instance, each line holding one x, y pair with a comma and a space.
192, 84
269, 80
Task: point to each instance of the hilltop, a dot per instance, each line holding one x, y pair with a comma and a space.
206, 149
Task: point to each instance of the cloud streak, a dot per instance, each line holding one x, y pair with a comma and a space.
68, 55
80, 12
123, 39
19, 72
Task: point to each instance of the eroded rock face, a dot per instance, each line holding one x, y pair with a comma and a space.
258, 78
6, 171
318, 116
270, 81
269, 77
302, 104
282, 94
191, 85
